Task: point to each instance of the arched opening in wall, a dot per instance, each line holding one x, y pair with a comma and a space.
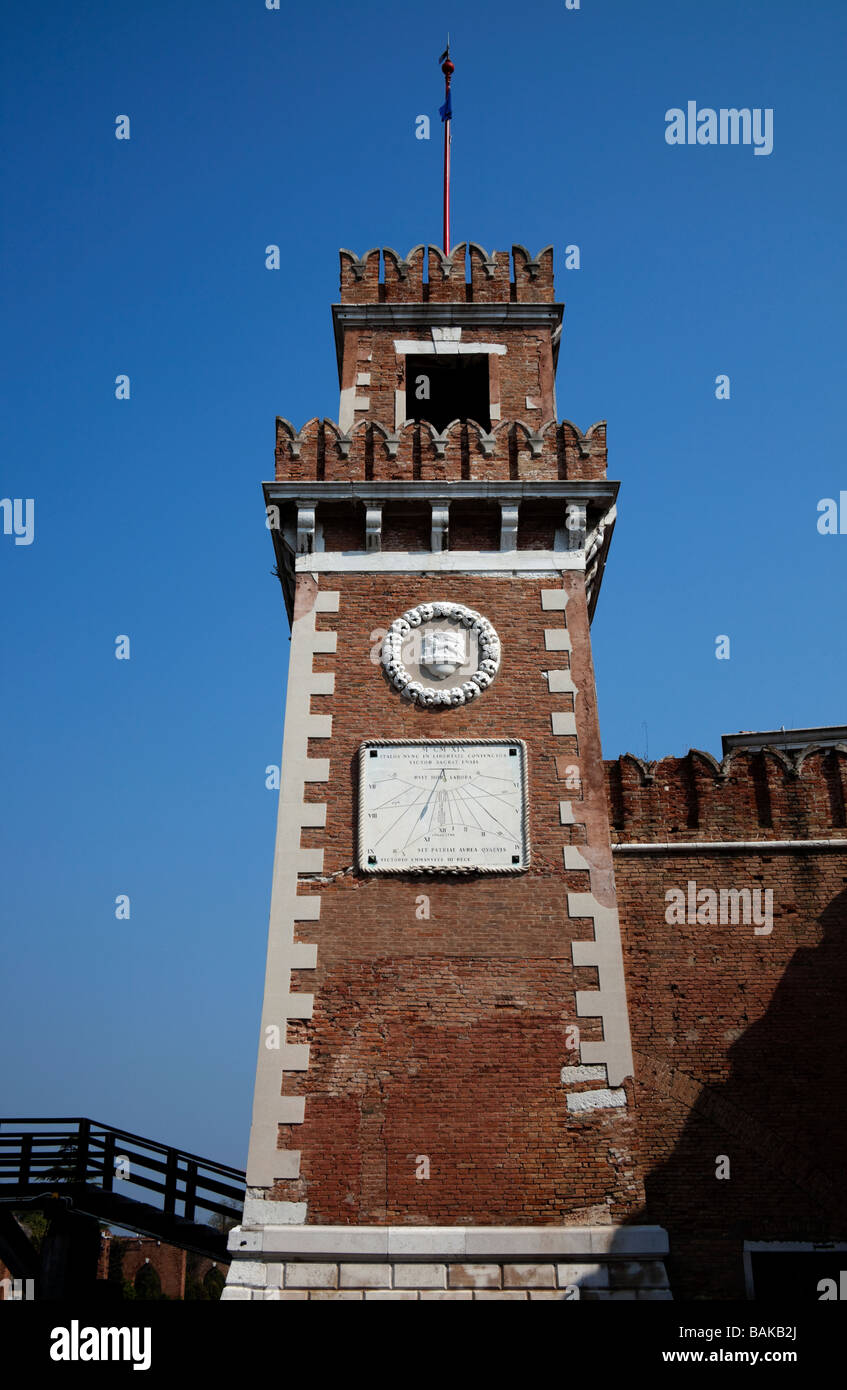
450, 387
213, 1283
147, 1282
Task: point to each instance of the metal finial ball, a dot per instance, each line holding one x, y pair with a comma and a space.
448, 67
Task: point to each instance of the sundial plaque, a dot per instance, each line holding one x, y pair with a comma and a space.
443, 806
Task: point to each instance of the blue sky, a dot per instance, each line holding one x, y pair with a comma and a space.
248, 127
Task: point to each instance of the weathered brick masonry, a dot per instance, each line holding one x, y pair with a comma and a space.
739, 1038
445, 1035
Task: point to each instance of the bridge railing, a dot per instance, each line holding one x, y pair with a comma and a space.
42, 1155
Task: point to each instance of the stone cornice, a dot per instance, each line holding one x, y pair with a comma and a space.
436, 314
600, 1242
292, 518
598, 492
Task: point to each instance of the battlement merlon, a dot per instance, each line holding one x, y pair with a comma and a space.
492, 279
517, 449
756, 798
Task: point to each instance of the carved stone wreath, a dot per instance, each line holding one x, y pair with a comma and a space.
489, 654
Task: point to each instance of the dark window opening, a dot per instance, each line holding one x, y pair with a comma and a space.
453, 387
771, 1273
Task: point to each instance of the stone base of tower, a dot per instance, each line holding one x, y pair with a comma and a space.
447, 1262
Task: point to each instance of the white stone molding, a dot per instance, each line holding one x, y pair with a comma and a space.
440, 532
509, 526
575, 525
609, 1000
457, 1242
535, 441
570, 1075
346, 412
574, 860
266, 1163
305, 528
554, 600
598, 1098
420, 347
287, 1262
563, 723
718, 846
480, 627
373, 527
560, 683
614, 1053
581, 1102
550, 562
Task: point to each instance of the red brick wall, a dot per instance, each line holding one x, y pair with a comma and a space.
169, 1261
406, 526
739, 1038
445, 1037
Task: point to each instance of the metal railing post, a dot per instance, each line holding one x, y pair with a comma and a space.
81, 1171
190, 1190
170, 1182
26, 1160
108, 1161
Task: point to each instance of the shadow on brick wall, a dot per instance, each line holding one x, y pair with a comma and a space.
762, 1156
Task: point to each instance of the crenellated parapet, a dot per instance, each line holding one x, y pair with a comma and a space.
763, 795
470, 274
322, 451
448, 450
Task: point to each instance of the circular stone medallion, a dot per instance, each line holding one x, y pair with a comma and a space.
444, 632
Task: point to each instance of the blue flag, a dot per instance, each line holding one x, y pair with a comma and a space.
446, 111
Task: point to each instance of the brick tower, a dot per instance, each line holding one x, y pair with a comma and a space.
444, 1096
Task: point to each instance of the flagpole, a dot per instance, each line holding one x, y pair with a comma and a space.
448, 68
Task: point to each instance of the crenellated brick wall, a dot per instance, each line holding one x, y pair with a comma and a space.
320, 451
383, 325
749, 796
739, 1027
489, 281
